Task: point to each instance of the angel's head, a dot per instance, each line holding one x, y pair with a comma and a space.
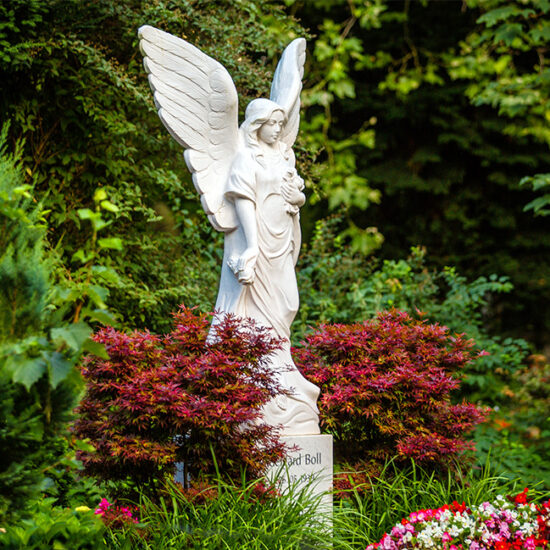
264, 121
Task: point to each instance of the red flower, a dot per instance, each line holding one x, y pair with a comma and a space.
456, 507
522, 497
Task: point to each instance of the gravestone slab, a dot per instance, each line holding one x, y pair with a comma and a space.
311, 463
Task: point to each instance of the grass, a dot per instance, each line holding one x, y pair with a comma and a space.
236, 519
241, 517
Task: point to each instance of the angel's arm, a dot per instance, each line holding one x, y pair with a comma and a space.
293, 185
293, 195
246, 213
241, 192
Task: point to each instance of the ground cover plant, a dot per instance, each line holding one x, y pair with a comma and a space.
50, 526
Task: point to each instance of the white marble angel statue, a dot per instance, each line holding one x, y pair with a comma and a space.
249, 189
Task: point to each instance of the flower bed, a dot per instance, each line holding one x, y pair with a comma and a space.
507, 523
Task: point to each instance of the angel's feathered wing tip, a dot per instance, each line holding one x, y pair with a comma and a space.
146, 33
143, 30
296, 48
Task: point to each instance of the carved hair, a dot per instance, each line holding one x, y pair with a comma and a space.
258, 112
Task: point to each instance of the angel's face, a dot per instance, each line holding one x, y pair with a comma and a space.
270, 130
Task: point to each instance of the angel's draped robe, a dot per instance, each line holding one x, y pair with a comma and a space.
272, 299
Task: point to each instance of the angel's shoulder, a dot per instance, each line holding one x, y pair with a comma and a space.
244, 158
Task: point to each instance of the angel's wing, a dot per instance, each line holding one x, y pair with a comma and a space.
197, 102
287, 85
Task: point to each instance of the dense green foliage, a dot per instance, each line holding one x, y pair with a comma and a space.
455, 95
39, 383
55, 527
437, 123
444, 296
516, 437
246, 516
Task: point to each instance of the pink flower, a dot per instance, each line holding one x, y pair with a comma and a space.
103, 505
388, 544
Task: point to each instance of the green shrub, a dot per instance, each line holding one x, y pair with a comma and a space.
517, 438
39, 348
532, 411
49, 526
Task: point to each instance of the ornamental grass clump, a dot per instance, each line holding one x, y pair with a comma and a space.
385, 391
240, 517
506, 523
161, 400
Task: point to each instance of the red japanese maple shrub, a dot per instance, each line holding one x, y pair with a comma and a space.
385, 389
159, 400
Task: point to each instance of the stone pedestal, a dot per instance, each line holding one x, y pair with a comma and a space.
310, 464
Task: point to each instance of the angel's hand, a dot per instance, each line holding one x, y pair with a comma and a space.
248, 258
292, 194
246, 276
243, 265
